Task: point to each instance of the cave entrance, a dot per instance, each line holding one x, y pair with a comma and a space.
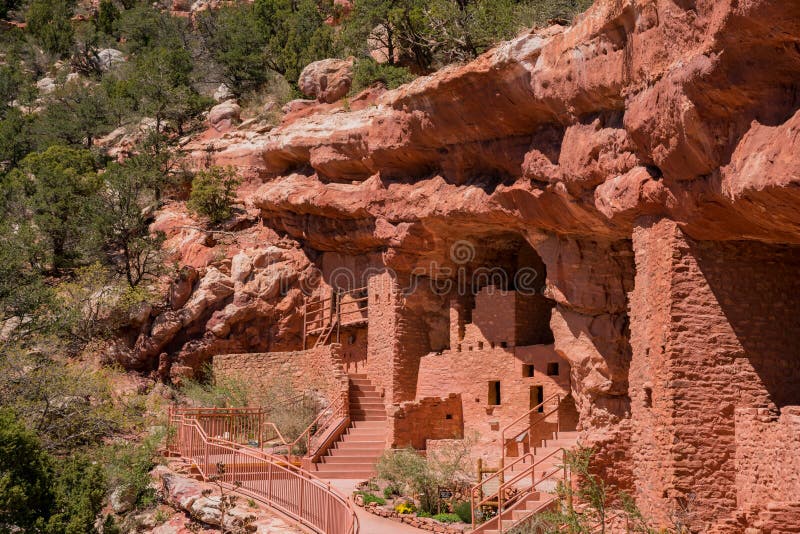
499, 300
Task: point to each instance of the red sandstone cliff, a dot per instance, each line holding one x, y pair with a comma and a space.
575, 140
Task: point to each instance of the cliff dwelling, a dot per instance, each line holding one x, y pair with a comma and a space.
588, 237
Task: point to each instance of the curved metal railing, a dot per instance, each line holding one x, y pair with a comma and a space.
270, 479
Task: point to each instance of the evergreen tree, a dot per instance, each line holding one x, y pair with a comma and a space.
234, 39
74, 114
25, 476
107, 16
49, 22
62, 187
296, 34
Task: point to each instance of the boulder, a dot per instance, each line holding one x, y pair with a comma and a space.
123, 499
223, 93
327, 80
108, 58
222, 116
46, 85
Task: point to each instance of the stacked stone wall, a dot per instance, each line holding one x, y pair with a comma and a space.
412, 424
713, 329
468, 374
316, 369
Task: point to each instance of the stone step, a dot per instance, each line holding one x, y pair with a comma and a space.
361, 382
364, 460
339, 475
346, 466
368, 405
368, 417
356, 414
360, 444
363, 390
369, 424
354, 455
375, 448
366, 433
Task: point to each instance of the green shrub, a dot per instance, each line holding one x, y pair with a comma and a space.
370, 498
49, 23
421, 477
463, 510
213, 193
367, 71
128, 465
448, 518
80, 489
25, 474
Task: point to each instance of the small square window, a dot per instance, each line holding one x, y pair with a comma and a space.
552, 369
448, 416
504, 344
527, 370
494, 393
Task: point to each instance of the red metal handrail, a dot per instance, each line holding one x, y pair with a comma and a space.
541, 417
506, 505
335, 413
265, 477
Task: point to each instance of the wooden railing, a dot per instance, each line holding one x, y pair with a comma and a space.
534, 412
509, 495
264, 477
322, 315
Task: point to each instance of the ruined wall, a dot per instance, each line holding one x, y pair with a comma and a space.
713, 328
468, 374
411, 424
317, 369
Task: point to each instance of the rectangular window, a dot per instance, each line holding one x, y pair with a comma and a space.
494, 393
552, 369
527, 370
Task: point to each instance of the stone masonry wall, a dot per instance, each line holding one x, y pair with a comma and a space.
713, 328
314, 369
413, 423
381, 339
767, 455
468, 373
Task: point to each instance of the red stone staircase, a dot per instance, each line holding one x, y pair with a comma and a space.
355, 453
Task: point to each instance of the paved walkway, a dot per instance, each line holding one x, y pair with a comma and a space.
372, 524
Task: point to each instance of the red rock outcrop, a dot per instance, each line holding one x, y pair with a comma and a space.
577, 140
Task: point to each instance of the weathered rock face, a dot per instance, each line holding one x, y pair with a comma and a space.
578, 141
327, 80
